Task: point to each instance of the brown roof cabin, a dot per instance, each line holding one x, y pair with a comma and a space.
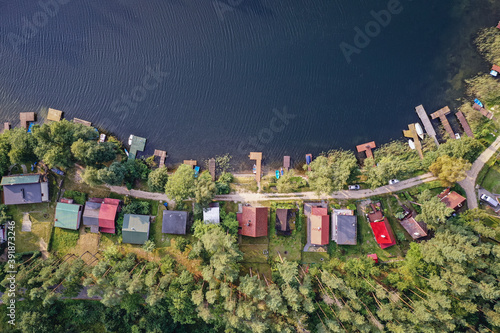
452, 199
252, 221
26, 117
414, 228
283, 217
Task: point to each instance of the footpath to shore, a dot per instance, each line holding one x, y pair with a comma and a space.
469, 185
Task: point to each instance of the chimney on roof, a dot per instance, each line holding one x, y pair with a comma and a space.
383, 236
133, 229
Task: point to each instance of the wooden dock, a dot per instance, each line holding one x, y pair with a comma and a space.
367, 148
286, 162
83, 122
192, 163
441, 114
257, 156
162, 155
26, 118
483, 111
412, 134
427, 123
465, 124
54, 115
211, 168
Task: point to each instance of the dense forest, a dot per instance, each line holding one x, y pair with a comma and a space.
447, 284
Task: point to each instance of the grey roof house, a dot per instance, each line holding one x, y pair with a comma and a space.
24, 189
344, 227
174, 222
91, 214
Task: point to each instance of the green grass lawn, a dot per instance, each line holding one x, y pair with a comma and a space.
63, 240
289, 247
42, 217
491, 181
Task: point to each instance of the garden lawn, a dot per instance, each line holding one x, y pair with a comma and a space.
289, 247
63, 240
41, 216
491, 181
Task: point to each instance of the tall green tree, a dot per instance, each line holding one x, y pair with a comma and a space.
181, 184
92, 152
205, 189
157, 179
449, 170
434, 212
22, 146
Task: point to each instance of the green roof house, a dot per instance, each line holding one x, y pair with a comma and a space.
68, 216
135, 229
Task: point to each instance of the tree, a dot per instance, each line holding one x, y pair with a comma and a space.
157, 179
434, 212
181, 184
205, 189
137, 207
4, 154
22, 146
331, 172
54, 141
449, 170
91, 177
135, 169
93, 152
4, 216
288, 182
113, 175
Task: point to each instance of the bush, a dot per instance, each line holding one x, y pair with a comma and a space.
149, 246
181, 244
79, 197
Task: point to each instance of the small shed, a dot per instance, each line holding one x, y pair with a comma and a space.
54, 115
373, 256
174, 222
68, 216
282, 225
212, 214
135, 229
91, 214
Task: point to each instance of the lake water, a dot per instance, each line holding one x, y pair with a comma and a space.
199, 77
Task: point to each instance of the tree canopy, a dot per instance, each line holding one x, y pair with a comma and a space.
181, 184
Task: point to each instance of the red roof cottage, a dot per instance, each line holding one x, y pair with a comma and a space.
383, 233
452, 199
320, 226
253, 221
107, 215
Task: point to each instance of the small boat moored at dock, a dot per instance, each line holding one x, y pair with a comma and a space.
130, 138
254, 168
478, 102
102, 137
419, 130
411, 144
277, 174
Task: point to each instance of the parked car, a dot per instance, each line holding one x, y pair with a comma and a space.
393, 181
492, 202
354, 187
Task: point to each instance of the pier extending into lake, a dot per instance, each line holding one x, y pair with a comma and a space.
427, 123
441, 114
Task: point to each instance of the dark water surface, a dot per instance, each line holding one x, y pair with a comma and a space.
224, 67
